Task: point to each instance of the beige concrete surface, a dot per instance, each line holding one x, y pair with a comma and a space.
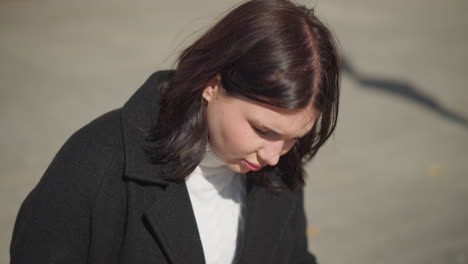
390, 187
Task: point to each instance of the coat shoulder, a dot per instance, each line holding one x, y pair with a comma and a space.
92, 153
62, 203
95, 150
103, 131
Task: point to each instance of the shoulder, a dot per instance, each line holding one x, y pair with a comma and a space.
91, 154
62, 203
98, 141
103, 134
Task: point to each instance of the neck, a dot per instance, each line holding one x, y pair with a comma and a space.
210, 159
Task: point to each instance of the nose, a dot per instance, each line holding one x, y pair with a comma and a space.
271, 152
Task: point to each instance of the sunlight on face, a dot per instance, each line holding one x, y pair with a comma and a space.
248, 135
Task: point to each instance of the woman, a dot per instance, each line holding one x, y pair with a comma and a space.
204, 163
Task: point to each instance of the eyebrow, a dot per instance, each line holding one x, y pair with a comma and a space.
277, 133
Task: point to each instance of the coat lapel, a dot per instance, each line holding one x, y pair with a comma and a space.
173, 222
167, 206
267, 214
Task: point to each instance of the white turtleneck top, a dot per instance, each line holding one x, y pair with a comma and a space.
217, 196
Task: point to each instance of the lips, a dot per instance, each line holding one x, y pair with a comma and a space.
251, 166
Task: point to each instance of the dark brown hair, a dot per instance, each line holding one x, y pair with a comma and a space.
271, 51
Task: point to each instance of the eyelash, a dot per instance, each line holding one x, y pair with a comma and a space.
260, 131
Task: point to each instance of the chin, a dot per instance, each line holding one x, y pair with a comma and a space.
238, 168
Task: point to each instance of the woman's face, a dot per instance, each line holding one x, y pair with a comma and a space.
248, 135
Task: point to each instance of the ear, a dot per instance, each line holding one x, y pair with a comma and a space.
212, 88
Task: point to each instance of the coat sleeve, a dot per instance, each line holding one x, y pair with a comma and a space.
301, 254
53, 223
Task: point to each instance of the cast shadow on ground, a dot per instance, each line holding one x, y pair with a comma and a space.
403, 90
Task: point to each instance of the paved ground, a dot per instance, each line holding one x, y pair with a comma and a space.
391, 186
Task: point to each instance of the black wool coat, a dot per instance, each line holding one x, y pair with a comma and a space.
100, 201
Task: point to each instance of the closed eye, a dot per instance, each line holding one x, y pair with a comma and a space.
266, 132
261, 132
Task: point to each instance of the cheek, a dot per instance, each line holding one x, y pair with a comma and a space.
236, 136
239, 138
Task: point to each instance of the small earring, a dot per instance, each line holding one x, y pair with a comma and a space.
205, 102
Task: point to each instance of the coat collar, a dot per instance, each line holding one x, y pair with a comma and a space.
167, 210
170, 214
139, 114
266, 220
